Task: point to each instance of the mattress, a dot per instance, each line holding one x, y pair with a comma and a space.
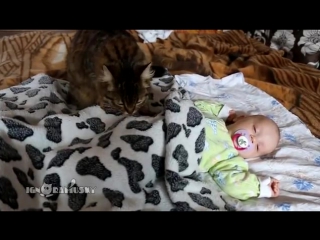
296, 161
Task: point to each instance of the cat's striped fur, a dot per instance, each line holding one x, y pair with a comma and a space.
107, 67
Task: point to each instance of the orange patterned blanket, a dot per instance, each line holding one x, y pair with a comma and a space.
295, 85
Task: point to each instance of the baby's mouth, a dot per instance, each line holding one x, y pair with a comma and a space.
240, 140
235, 141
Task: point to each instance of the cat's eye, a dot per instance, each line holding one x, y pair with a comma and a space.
120, 103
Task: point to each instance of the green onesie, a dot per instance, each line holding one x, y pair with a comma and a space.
221, 160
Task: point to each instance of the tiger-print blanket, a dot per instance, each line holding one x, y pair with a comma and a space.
295, 85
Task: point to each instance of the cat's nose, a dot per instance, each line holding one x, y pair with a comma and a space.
130, 111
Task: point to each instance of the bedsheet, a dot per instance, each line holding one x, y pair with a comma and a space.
296, 162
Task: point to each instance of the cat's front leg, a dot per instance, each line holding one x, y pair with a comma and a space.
102, 102
81, 97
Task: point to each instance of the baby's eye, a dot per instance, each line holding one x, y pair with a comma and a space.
257, 147
254, 128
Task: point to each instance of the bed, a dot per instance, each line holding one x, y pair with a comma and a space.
266, 82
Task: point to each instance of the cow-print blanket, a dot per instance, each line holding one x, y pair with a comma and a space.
54, 158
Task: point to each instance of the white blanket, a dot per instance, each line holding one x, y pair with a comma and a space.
55, 158
297, 161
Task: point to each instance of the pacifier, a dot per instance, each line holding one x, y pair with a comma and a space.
242, 140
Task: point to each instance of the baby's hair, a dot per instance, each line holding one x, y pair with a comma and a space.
279, 137
278, 129
279, 132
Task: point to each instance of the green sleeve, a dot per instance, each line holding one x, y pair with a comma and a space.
209, 109
234, 178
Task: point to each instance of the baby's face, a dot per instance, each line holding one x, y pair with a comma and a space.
263, 135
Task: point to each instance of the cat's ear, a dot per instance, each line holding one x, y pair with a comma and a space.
106, 76
147, 72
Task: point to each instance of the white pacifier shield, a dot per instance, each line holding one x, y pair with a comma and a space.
243, 142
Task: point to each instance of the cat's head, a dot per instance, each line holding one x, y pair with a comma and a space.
126, 87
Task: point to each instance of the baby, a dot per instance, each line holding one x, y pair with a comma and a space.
229, 143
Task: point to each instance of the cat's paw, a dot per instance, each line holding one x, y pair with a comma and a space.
145, 111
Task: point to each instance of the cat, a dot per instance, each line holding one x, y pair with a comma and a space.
107, 68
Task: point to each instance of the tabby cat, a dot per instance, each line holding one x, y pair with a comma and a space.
107, 68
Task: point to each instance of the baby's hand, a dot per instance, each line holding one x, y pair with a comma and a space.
233, 117
274, 185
